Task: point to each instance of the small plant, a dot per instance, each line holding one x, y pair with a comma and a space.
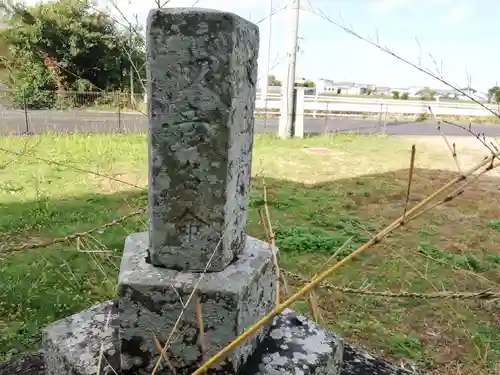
466, 262
395, 94
405, 96
486, 337
426, 231
493, 258
422, 117
406, 347
304, 239
494, 224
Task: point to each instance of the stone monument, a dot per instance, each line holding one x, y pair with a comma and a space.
196, 256
202, 71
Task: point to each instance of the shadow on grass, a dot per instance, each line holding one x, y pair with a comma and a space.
311, 222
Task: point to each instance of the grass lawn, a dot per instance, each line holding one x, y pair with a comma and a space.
322, 191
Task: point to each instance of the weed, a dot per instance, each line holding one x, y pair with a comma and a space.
466, 261
302, 239
426, 231
493, 258
494, 224
405, 346
486, 337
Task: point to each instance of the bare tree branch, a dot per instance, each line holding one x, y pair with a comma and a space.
392, 53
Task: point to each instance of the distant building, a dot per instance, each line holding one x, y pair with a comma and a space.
327, 86
447, 93
412, 91
382, 90
472, 93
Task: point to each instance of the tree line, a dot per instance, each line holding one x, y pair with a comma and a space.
67, 45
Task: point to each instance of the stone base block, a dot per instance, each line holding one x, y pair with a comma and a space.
152, 299
296, 345
84, 343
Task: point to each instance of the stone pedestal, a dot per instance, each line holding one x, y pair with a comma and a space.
231, 301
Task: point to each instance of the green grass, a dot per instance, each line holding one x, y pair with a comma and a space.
318, 199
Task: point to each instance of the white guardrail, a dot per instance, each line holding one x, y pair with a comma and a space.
341, 105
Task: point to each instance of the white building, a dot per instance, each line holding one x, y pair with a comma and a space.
328, 86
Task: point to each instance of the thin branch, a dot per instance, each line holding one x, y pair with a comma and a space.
286, 287
272, 241
440, 74
129, 24
452, 149
458, 191
164, 355
70, 237
487, 294
277, 10
69, 167
333, 256
22, 153
178, 295
101, 346
392, 53
469, 130
312, 303
419, 52
201, 327
410, 179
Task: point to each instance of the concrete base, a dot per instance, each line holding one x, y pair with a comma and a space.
152, 298
84, 343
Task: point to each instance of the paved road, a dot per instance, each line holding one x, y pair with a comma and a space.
14, 122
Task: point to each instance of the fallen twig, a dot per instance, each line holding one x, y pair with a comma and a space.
272, 240
70, 237
201, 327
483, 295
410, 179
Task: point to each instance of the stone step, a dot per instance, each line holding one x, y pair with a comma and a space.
356, 362
295, 345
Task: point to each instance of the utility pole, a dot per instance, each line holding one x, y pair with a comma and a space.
265, 80
132, 96
287, 108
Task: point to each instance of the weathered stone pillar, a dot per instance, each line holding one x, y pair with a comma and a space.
202, 73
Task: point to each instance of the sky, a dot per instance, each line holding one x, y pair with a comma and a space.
457, 38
